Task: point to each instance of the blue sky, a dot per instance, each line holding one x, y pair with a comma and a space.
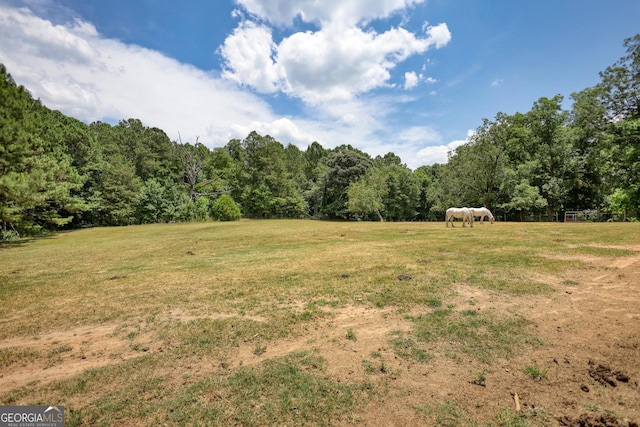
413, 77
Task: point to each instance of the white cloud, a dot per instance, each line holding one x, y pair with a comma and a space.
439, 153
410, 80
349, 13
326, 66
439, 35
339, 61
406, 144
248, 55
420, 135
283, 130
497, 82
73, 69
434, 154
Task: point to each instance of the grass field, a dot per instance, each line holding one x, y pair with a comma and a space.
186, 324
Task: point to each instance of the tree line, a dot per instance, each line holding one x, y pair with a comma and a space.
57, 172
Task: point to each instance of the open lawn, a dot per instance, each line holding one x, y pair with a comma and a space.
285, 322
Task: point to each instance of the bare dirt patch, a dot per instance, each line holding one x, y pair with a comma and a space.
62, 354
590, 333
589, 327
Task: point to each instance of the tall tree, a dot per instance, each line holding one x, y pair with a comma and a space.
148, 149
429, 177
490, 164
270, 187
193, 160
621, 95
587, 127
366, 194
315, 168
621, 83
402, 195
553, 150
344, 166
37, 178
525, 197
116, 192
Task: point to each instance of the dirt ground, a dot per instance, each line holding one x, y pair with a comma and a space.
590, 327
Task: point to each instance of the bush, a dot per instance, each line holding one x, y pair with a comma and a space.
202, 208
225, 209
8, 235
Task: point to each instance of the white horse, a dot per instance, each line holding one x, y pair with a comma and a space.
463, 213
481, 213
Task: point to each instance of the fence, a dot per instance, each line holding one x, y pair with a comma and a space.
585, 215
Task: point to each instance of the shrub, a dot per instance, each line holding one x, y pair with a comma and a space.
225, 209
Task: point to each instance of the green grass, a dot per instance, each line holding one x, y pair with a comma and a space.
351, 335
16, 355
535, 372
451, 414
483, 336
293, 389
407, 348
200, 291
448, 414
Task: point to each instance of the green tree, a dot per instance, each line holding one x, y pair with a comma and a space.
344, 166
365, 195
621, 83
148, 149
269, 187
553, 151
624, 161
588, 134
225, 209
202, 208
316, 169
402, 195
450, 186
525, 198
234, 173
620, 202
621, 95
489, 162
428, 177
313, 157
157, 202
38, 182
116, 194
193, 161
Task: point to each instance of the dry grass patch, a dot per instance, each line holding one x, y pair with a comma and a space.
280, 322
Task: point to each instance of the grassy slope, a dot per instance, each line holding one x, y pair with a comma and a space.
268, 278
